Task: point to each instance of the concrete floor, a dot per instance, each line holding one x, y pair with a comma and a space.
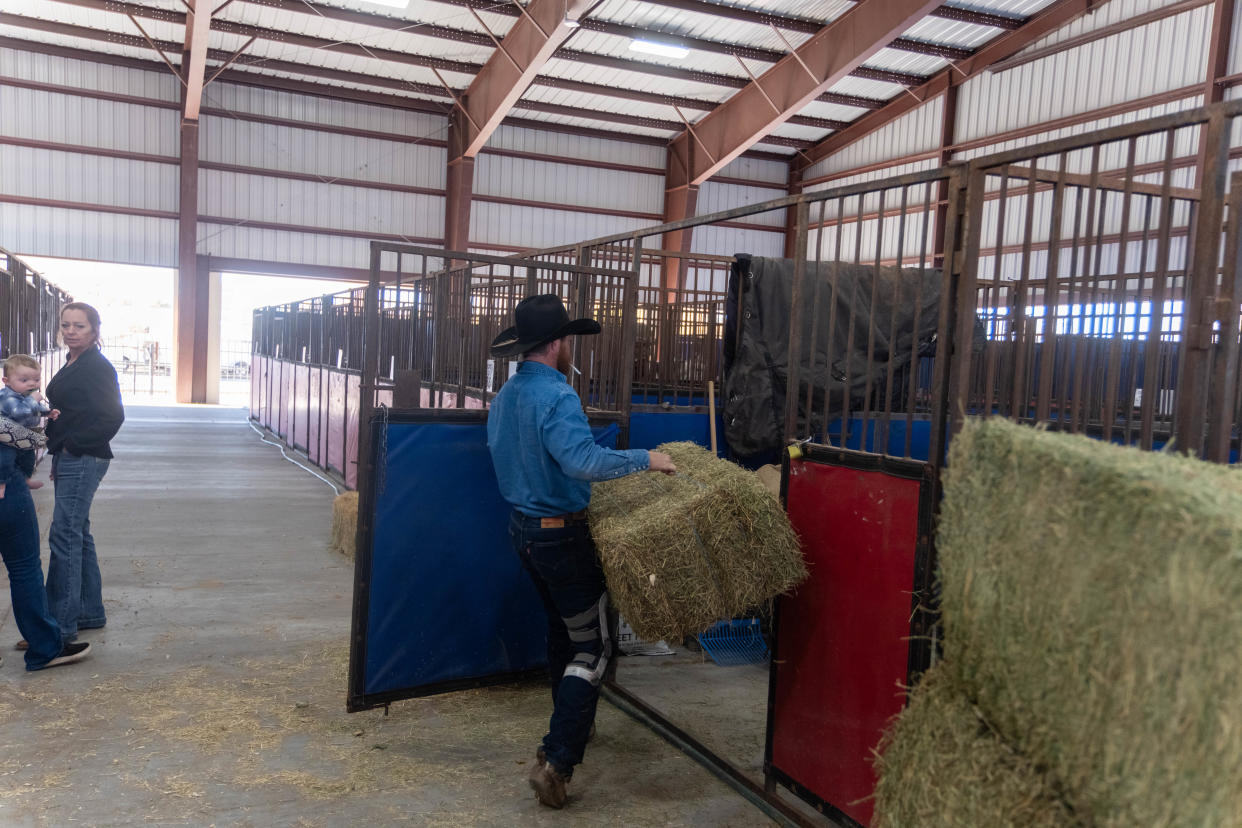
216, 694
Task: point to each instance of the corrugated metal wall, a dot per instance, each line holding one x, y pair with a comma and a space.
402, 151
1159, 57
83, 179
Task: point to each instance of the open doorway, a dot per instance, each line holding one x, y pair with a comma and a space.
240, 295
135, 307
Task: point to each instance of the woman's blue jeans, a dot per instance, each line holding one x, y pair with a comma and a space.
74, 586
19, 545
563, 565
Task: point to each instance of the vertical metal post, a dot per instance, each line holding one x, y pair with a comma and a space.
795, 324
629, 327
1198, 313
965, 294
1225, 367
947, 326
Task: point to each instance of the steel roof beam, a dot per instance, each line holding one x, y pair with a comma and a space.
809, 26
515, 64
193, 69
466, 36
770, 100
1048, 20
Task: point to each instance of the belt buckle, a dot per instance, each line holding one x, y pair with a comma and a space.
551, 523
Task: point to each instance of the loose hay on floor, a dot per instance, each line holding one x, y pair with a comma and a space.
1092, 600
345, 523
681, 552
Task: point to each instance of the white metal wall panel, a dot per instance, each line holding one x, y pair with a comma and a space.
1114, 157
715, 198
577, 146
568, 184
328, 154
158, 83
1104, 15
314, 109
283, 246
87, 179
531, 227
875, 175
758, 169
916, 131
726, 241
311, 204
80, 234
1161, 56
72, 119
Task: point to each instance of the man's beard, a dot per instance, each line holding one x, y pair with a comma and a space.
563, 359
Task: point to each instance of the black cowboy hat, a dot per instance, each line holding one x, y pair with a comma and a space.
539, 319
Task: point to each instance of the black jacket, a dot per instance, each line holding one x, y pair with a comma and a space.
89, 398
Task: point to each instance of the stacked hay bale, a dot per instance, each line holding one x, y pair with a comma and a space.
1092, 601
345, 523
684, 551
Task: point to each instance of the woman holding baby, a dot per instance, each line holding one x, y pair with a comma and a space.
88, 415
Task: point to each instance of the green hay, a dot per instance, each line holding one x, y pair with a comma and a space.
345, 523
942, 765
1092, 600
681, 552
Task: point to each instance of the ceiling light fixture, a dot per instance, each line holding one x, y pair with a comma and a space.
392, 4
651, 47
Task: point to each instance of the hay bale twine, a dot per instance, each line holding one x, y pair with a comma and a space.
681, 552
1092, 601
345, 523
942, 765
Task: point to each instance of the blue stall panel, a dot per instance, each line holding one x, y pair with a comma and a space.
443, 598
449, 600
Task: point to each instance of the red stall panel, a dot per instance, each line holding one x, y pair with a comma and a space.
843, 645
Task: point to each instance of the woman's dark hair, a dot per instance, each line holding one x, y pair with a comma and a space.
92, 316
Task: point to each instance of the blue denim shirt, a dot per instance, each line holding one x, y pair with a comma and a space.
542, 448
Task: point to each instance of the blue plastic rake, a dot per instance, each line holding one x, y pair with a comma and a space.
731, 643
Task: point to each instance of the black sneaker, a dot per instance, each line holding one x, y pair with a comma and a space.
71, 652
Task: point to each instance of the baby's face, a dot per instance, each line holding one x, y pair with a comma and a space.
23, 380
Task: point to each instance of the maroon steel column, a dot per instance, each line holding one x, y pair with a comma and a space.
681, 200
460, 185
190, 301
791, 213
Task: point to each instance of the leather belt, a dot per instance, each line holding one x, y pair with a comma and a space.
561, 521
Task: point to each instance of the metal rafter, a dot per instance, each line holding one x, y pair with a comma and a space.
438, 64
500, 83
809, 26
840, 47
194, 66
1048, 20
645, 67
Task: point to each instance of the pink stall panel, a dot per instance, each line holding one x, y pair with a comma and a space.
301, 408
285, 423
314, 451
351, 431
335, 421
256, 371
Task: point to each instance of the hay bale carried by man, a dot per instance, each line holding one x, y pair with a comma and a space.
685, 551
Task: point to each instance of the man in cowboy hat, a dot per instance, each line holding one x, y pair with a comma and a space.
545, 459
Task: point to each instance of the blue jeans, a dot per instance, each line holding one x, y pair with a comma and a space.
74, 586
19, 545
566, 572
